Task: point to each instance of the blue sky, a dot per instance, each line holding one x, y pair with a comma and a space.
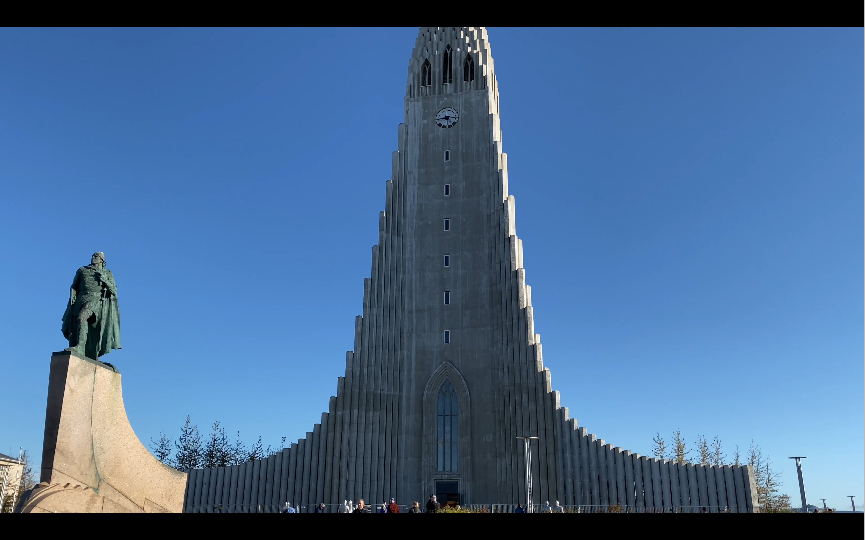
690, 200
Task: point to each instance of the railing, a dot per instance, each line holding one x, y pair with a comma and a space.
481, 508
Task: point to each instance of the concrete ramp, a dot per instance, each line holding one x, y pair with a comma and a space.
91, 459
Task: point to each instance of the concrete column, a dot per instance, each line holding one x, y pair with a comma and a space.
621, 486
273, 498
576, 459
603, 491
628, 461
334, 472
242, 475
230, 494
657, 488
313, 464
292, 475
563, 436
693, 490
666, 488
282, 492
247, 485
256, 484
639, 488
206, 487
741, 499
322, 494
648, 488
720, 487
197, 486
585, 468
307, 465
682, 473
673, 471
703, 487
354, 407
730, 488
710, 487
750, 482
609, 457
269, 483
297, 497
221, 485
594, 477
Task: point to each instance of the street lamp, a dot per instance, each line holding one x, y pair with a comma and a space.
824, 504
801, 482
527, 444
851, 502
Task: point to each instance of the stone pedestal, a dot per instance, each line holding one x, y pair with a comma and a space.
91, 459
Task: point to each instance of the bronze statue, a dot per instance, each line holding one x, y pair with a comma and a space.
91, 322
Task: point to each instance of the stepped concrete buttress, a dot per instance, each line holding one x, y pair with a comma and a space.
91, 459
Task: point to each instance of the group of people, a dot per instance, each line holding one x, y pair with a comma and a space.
348, 507
545, 508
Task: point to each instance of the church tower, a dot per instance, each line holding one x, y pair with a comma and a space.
447, 370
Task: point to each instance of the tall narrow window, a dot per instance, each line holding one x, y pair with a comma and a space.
447, 224
447, 66
447, 336
447, 155
426, 74
447, 261
447, 190
447, 298
446, 429
469, 68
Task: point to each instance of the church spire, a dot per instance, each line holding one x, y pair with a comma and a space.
450, 59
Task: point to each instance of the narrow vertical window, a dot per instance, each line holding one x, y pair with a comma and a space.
447, 261
469, 68
426, 74
447, 224
447, 66
447, 298
446, 429
447, 336
447, 155
447, 190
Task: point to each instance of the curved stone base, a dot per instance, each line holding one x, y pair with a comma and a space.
91, 459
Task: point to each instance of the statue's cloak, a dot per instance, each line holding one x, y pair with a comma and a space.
107, 331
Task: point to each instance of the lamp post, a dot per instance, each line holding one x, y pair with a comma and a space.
851, 502
824, 504
801, 482
527, 445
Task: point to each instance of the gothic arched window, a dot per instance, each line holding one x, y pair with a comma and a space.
469, 68
446, 429
447, 65
426, 74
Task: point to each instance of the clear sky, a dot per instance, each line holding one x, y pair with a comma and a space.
691, 205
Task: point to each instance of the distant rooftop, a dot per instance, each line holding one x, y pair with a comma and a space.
4, 457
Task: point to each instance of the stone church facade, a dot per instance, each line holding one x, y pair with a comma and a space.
447, 370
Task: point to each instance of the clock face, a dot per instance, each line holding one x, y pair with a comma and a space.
447, 117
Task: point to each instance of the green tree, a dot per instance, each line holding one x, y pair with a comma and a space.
161, 449
680, 450
703, 449
189, 455
659, 447
717, 456
217, 451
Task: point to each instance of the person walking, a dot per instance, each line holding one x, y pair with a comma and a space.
393, 507
415, 508
361, 508
432, 505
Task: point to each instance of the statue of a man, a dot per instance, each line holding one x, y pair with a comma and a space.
91, 322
